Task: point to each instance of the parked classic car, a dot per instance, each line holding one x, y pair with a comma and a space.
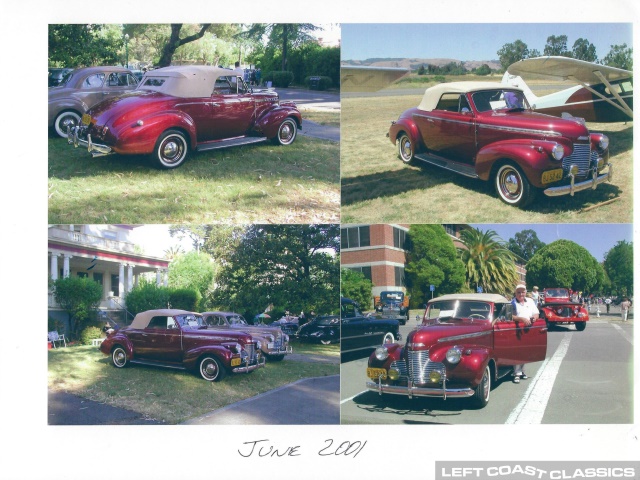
324, 329
465, 343
557, 308
275, 343
487, 131
176, 110
181, 339
288, 324
81, 90
57, 74
393, 304
362, 333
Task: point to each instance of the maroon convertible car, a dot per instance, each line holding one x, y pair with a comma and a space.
465, 343
176, 110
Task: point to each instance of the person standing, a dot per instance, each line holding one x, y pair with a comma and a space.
526, 312
535, 295
608, 304
625, 306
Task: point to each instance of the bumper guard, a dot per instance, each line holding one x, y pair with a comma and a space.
250, 368
95, 149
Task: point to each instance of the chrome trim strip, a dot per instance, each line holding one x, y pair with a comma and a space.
546, 133
464, 336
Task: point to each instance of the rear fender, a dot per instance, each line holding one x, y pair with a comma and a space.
408, 126
141, 139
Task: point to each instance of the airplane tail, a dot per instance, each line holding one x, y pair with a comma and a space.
516, 81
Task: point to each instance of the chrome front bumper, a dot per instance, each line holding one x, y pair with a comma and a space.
280, 351
95, 149
578, 187
412, 391
250, 368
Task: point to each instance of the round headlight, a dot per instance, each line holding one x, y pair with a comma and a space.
238, 347
557, 151
453, 355
604, 142
270, 338
382, 353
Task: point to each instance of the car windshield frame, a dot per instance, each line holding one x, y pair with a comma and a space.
499, 99
459, 309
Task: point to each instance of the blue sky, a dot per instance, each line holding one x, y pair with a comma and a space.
470, 41
597, 238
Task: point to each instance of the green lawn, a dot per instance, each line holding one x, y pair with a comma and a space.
260, 183
168, 395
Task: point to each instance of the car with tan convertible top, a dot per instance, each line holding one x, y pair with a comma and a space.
178, 110
464, 345
181, 340
488, 131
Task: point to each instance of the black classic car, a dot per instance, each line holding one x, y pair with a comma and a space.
393, 304
362, 333
324, 329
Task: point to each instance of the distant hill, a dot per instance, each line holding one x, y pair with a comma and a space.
414, 63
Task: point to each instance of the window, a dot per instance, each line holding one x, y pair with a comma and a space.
366, 271
449, 102
399, 237
115, 285
98, 278
354, 237
399, 276
93, 81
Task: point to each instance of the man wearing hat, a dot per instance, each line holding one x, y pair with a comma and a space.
525, 312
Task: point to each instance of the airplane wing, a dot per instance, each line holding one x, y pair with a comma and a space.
584, 73
368, 79
565, 68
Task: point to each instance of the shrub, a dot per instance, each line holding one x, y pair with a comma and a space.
89, 334
279, 78
184, 299
147, 296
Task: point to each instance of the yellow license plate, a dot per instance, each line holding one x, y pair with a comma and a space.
552, 176
86, 119
235, 362
375, 373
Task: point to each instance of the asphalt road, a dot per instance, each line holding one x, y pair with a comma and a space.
585, 379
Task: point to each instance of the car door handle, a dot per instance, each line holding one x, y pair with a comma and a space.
214, 104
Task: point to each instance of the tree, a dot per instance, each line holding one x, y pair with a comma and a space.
192, 270
281, 36
483, 70
421, 70
431, 260
219, 241
512, 53
292, 267
525, 244
490, 264
78, 296
356, 286
620, 56
564, 263
80, 45
584, 50
557, 46
618, 264
175, 41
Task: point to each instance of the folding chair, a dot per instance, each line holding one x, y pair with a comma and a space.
54, 337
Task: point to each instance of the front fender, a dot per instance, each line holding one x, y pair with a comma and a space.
469, 369
221, 353
395, 351
270, 121
531, 156
132, 138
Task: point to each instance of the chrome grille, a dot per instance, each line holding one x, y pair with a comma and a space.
250, 350
582, 156
419, 366
400, 366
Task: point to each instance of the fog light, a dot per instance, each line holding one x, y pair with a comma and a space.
574, 170
393, 374
435, 377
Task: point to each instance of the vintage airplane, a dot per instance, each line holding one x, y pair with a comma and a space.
604, 94
355, 78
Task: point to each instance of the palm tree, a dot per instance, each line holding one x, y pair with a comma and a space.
173, 252
489, 263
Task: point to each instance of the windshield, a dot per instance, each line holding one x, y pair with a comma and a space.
392, 296
237, 320
459, 309
556, 292
191, 321
499, 99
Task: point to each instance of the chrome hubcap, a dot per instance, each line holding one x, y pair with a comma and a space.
210, 369
406, 149
285, 133
170, 149
511, 183
120, 357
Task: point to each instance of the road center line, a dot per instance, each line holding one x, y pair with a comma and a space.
531, 408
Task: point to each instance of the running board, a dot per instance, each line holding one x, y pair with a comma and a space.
466, 170
157, 364
232, 142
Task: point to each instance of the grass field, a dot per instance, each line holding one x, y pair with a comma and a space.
378, 188
259, 183
168, 395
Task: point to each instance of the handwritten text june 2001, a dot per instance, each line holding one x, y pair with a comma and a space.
263, 448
